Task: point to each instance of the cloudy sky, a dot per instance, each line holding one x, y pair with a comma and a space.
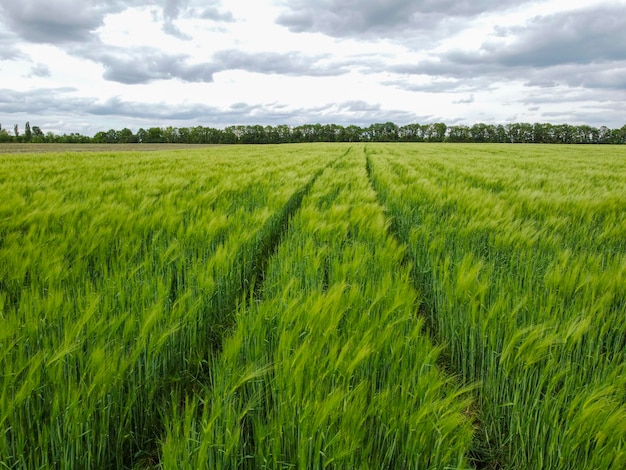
90, 65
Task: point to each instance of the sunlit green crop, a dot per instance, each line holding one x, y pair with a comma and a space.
314, 306
328, 367
522, 257
119, 274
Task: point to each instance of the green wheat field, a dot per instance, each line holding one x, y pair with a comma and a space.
309, 306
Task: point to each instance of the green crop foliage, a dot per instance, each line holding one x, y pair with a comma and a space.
119, 274
328, 366
522, 258
314, 306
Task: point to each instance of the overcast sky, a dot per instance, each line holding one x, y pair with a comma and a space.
88, 65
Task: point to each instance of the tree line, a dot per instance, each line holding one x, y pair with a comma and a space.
544, 133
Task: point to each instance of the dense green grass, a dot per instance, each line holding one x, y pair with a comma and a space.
328, 368
522, 255
309, 306
119, 274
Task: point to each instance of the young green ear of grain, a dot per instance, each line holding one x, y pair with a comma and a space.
119, 274
330, 368
517, 254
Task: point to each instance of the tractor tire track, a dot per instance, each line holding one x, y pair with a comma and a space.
426, 308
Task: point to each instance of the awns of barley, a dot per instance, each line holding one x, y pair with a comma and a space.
118, 277
521, 256
328, 367
120, 274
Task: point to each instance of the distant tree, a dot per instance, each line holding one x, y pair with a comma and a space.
564, 133
512, 132
271, 135
436, 132
352, 133
171, 135
38, 135
73, 138
154, 135
586, 135
379, 132
317, 132
284, 133
478, 133
28, 134
214, 136
183, 135
306, 132
111, 136
254, 135
407, 133
5, 136
459, 133
541, 133
385, 132
197, 135
99, 138
382, 132
229, 136
525, 133
142, 135
604, 134
126, 136
491, 133
617, 136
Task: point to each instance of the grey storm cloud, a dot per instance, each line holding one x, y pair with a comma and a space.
215, 14
445, 85
578, 36
61, 100
349, 112
52, 101
171, 11
342, 18
572, 37
174, 9
289, 63
39, 70
173, 30
573, 58
58, 21
56, 101
74, 21
542, 83
591, 115
468, 100
154, 111
359, 112
591, 76
207, 10
145, 65
41, 100
447, 67
148, 65
577, 48
8, 50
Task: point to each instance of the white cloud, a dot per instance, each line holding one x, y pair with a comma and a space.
91, 65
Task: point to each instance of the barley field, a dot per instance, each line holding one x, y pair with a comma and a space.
424, 306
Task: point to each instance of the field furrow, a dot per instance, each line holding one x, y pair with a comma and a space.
521, 258
329, 368
119, 276
314, 306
